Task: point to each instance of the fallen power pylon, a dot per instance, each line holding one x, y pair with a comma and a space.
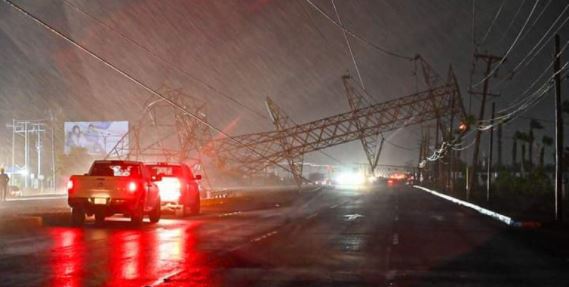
252, 153
170, 134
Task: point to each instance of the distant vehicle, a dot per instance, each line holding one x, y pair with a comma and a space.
399, 178
318, 178
179, 189
114, 187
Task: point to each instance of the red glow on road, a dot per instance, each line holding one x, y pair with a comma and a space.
67, 257
127, 261
118, 255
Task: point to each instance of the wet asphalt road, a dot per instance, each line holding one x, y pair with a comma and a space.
395, 236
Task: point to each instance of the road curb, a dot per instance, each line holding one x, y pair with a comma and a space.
20, 223
492, 214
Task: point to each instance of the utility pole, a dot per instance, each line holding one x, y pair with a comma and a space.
499, 145
490, 150
436, 165
421, 158
427, 154
558, 135
26, 155
450, 137
490, 60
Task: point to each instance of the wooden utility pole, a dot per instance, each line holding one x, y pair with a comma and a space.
558, 135
490, 150
490, 60
450, 137
422, 155
499, 145
437, 164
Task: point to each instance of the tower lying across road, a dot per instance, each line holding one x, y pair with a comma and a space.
252, 153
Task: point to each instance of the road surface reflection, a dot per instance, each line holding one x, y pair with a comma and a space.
118, 255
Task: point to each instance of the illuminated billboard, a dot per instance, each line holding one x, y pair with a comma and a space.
98, 138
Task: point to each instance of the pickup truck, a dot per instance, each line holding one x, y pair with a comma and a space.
114, 187
179, 189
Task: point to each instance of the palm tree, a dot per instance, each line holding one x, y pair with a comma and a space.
515, 149
533, 124
523, 138
546, 141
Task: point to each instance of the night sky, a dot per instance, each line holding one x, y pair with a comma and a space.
252, 49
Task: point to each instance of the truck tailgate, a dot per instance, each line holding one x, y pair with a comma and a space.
102, 186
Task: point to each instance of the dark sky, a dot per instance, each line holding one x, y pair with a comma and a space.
251, 49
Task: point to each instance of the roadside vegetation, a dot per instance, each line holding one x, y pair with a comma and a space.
522, 188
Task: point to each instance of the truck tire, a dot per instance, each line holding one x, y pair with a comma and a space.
137, 215
136, 219
77, 216
99, 217
154, 215
195, 208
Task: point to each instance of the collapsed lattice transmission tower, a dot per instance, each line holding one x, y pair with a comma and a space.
252, 153
165, 133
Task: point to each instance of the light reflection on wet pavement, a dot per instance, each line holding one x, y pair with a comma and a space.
114, 256
390, 237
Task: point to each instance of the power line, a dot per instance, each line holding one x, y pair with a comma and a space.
519, 100
526, 104
537, 19
311, 20
492, 23
173, 66
132, 79
348, 45
375, 46
340, 25
551, 36
507, 31
167, 63
540, 43
534, 99
509, 49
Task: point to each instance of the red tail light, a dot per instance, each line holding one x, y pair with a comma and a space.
132, 186
70, 185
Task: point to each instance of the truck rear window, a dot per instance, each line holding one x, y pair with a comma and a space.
166, 170
109, 169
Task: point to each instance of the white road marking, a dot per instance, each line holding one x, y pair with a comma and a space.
505, 219
351, 217
396, 239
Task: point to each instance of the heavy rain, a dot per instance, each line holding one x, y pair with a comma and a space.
283, 143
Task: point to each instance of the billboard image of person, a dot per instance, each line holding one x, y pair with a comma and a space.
98, 138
